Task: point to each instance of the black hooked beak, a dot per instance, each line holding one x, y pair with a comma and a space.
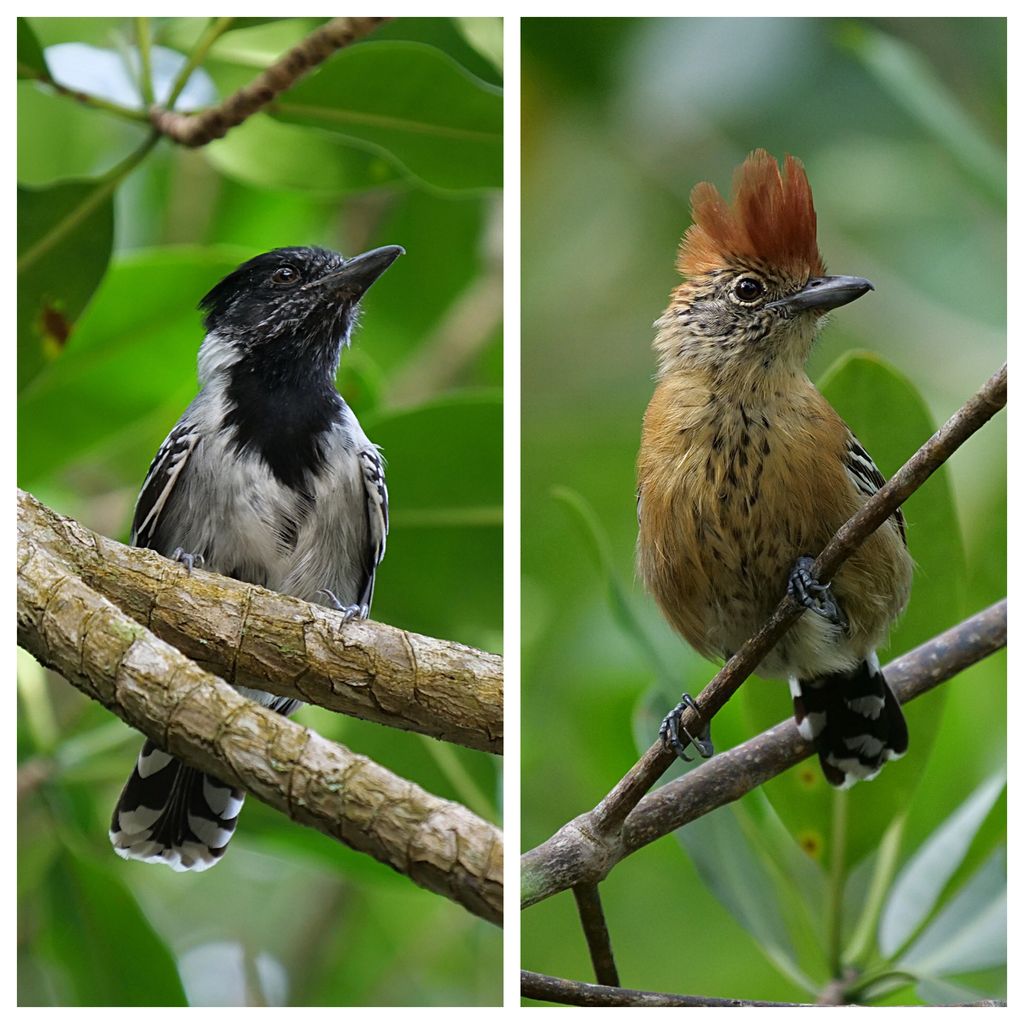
824, 293
361, 271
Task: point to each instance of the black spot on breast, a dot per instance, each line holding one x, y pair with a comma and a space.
286, 422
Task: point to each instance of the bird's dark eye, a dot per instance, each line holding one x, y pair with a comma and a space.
285, 274
747, 289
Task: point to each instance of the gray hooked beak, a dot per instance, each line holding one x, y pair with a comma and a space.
361, 271
824, 293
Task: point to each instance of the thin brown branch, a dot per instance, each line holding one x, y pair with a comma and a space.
214, 123
595, 928
741, 770
87, 99
579, 993
253, 637
113, 659
579, 852
974, 414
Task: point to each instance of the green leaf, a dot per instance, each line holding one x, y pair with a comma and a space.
622, 610
412, 103
449, 35
445, 237
65, 234
61, 141
907, 77
259, 42
237, 23
486, 36
129, 369
270, 154
936, 992
919, 885
737, 873
969, 933
36, 704
869, 897
31, 62
462, 488
442, 572
107, 952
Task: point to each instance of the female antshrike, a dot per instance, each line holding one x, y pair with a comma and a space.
268, 478
745, 471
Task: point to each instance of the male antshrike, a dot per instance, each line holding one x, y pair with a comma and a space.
746, 471
268, 478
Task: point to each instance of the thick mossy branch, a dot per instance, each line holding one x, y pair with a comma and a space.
117, 661
253, 637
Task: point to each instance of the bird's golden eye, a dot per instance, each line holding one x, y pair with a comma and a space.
286, 274
747, 289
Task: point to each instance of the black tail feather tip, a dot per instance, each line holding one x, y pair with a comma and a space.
174, 815
855, 721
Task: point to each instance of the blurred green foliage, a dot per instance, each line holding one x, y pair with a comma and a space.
118, 239
901, 125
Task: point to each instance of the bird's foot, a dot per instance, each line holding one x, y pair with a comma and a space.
813, 595
672, 727
349, 612
187, 559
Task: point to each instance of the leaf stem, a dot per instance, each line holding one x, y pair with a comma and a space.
862, 942
85, 98
860, 991
213, 32
143, 39
105, 186
836, 880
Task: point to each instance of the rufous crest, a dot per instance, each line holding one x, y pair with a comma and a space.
771, 220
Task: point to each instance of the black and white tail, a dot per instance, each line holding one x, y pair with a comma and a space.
855, 720
175, 815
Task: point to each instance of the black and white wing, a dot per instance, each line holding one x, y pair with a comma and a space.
158, 486
377, 515
867, 478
